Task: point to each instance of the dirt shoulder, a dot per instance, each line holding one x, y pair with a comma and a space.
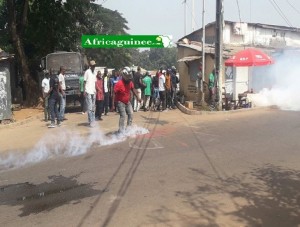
24, 114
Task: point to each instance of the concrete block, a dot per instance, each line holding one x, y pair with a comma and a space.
189, 104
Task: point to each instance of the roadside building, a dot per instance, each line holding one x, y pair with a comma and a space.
271, 39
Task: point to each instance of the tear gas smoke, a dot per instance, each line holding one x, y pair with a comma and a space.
65, 143
281, 82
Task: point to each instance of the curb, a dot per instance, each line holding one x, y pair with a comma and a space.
188, 111
181, 107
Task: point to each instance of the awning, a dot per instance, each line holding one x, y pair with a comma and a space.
189, 58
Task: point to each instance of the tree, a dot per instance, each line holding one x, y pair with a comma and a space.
39, 27
104, 21
17, 20
154, 58
5, 43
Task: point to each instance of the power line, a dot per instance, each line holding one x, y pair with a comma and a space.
184, 2
194, 19
241, 32
280, 12
250, 10
291, 5
238, 6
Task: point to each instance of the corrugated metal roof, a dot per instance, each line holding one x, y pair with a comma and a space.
189, 58
209, 49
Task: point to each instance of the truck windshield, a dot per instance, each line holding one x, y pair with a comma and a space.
71, 62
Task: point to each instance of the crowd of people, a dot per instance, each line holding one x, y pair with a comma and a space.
124, 91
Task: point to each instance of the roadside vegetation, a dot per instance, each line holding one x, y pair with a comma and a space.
30, 29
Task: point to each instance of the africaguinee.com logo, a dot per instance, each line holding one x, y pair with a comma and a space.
126, 41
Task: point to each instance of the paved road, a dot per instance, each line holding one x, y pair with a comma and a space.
238, 169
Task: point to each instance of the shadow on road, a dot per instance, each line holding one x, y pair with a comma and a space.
137, 155
155, 121
46, 196
267, 196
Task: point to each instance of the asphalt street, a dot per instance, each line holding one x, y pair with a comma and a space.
227, 169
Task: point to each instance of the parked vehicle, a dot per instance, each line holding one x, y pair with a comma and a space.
74, 63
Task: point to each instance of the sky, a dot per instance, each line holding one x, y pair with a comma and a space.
166, 17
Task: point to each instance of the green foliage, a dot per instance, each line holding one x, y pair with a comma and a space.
3, 14
55, 25
154, 58
5, 42
47, 22
105, 21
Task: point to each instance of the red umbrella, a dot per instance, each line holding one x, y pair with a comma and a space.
249, 57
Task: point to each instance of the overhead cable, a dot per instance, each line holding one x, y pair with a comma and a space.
280, 12
192, 14
238, 6
291, 5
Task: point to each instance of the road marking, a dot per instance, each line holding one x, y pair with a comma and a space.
152, 145
183, 144
207, 134
113, 198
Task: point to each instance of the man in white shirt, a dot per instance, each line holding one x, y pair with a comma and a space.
162, 89
106, 91
45, 89
61, 78
90, 92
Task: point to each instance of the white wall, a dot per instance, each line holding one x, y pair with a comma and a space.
257, 36
240, 81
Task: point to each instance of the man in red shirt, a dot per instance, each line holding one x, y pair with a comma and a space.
122, 91
99, 97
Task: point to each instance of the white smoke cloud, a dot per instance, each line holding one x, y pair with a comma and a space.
283, 88
65, 143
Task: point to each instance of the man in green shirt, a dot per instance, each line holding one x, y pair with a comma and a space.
211, 85
147, 91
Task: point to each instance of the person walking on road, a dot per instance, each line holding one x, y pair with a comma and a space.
162, 90
122, 96
211, 86
137, 81
175, 81
106, 91
168, 87
54, 100
46, 88
113, 80
90, 92
99, 97
147, 91
81, 87
62, 82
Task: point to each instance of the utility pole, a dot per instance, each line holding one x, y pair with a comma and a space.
184, 2
203, 53
219, 51
193, 15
